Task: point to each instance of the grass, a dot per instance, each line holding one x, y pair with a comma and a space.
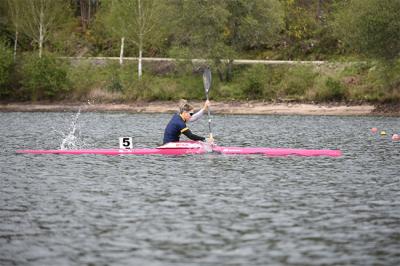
111, 82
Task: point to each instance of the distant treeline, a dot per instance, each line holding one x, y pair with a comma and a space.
34, 33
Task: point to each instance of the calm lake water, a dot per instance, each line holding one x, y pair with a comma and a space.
199, 209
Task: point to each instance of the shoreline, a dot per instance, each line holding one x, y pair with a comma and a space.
240, 108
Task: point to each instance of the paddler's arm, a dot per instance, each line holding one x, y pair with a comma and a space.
200, 113
197, 115
190, 135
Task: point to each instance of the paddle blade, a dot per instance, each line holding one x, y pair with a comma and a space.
207, 79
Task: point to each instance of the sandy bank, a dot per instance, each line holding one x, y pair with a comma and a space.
217, 107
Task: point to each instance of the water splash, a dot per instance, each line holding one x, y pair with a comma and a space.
72, 140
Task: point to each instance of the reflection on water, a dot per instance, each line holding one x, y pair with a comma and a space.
200, 209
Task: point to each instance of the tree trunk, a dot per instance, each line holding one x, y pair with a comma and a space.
41, 33
229, 70
140, 64
121, 54
82, 4
15, 45
140, 41
220, 71
89, 12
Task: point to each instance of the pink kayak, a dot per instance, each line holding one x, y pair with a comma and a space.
192, 147
176, 148
277, 151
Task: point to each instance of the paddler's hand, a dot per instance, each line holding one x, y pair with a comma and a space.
210, 139
206, 105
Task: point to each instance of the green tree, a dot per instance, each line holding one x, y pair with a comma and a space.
39, 19
14, 11
221, 29
3, 18
6, 64
307, 29
200, 25
300, 27
44, 78
138, 21
370, 27
87, 8
254, 24
199, 31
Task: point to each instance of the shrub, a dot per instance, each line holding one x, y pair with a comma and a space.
380, 82
228, 92
114, 83
331, 90
253, 82
44, 78
297, 80
6, 66
84, 78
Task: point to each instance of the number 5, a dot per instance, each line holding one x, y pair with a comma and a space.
125, 143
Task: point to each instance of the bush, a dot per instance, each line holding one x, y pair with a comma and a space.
110, 82
253, 82
370, 27
332, 90
44, 78
6, 66
114, 71
376, 82
84, 78
228, 92
297, 80
164, 88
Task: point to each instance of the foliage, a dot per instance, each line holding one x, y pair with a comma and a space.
6, 66
301, 27
245, 16
371, 27
39, 19
331, 90
166, 87
44, 78
296, 81
66, 41
253, 82
200, 27
140, 22
84, 77
219, 31
111, 82
384, 81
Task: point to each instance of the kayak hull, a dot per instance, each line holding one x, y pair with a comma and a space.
277, 151
117, 151
182, 148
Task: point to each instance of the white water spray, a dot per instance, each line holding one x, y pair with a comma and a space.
71, 141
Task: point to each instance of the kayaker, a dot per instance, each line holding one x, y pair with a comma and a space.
177, 125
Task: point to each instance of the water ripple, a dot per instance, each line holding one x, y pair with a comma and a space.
199, 209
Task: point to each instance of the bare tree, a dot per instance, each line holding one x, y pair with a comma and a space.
14, 7
40, 18
137, 21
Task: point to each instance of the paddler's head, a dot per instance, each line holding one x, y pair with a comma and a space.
186, 111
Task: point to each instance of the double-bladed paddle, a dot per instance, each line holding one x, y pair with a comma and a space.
207, 86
